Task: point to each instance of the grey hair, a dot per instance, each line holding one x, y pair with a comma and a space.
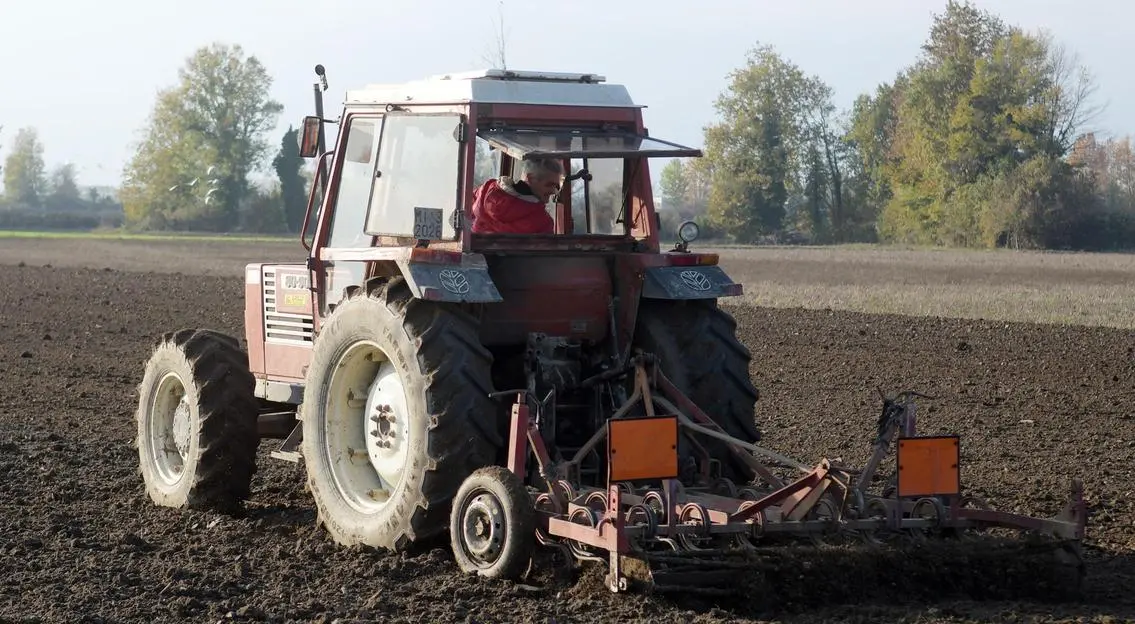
543, 167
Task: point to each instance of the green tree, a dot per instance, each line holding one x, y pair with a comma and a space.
24, 179
264, 211
63, 184
63, 191
984, 100
870, 136
675, 185
210, 127
293, 188
756, 149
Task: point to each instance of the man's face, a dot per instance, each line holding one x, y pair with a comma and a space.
544, 185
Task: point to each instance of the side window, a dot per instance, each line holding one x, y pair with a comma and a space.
355, 184
486, 163
418, 166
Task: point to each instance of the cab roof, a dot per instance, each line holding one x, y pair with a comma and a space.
499, 86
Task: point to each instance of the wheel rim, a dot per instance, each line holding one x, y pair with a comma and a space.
483, 528
170, 428
366, 429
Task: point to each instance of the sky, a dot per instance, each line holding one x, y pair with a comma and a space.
85, 74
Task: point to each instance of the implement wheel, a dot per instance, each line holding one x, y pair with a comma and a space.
492, 527
196, 420
395, 414
700, 353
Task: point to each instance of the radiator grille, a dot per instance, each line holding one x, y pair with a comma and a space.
283, 327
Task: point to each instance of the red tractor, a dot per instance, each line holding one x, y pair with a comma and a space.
581, 387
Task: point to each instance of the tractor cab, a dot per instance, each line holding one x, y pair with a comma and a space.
395, 196
410, 156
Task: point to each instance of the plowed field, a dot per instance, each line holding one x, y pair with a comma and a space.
80, 542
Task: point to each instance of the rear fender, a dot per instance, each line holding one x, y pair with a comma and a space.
689, 281
431, 274
466, 281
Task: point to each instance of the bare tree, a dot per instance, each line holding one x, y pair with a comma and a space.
1070, 106
496, 57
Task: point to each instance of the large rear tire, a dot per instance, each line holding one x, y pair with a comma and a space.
701, 354
395, 415
196, 421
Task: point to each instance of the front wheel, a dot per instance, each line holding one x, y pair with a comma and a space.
196, 421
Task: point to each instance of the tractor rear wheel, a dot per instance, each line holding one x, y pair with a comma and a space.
700, 353
196, 419
396, 414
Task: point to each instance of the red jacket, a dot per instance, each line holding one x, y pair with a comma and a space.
499, 209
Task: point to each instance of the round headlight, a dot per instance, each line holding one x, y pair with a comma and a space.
688, 231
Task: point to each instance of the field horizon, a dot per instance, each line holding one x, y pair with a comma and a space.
1049, 287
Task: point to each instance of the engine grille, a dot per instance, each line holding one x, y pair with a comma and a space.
283, 327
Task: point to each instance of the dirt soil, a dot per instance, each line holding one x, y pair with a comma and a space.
80, 541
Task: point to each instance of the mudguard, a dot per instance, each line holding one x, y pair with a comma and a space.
688, 282
468, 282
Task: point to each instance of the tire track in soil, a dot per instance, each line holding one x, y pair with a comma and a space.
81, 542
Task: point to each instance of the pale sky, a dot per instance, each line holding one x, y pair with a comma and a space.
85, 73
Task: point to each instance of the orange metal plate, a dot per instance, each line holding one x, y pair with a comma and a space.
928, 466
642, 448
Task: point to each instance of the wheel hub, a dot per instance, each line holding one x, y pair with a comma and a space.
181, 428
386, 426
170, 428
483, 524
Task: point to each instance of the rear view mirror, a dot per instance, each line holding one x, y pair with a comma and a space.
309, 141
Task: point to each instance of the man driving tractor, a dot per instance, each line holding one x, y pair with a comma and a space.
504, 206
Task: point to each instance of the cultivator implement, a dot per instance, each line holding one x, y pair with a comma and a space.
656, 535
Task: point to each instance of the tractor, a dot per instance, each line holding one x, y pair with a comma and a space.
580, 388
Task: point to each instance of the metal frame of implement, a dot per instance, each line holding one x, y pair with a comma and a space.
627, 522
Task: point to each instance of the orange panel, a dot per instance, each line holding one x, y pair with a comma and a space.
928, 466
642, 448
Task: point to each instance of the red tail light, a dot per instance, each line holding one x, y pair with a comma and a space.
692, 259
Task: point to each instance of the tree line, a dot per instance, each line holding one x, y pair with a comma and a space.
977, 143
191, 171
35, 197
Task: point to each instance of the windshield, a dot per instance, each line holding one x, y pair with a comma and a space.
596, 180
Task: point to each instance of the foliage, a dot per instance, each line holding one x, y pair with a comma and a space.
968, 146
293, 186
755, 150
24, 180
204, 138
684, 186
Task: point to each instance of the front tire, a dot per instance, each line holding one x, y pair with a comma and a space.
196, 422
395, 415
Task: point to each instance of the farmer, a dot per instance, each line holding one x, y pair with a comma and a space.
502, 206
